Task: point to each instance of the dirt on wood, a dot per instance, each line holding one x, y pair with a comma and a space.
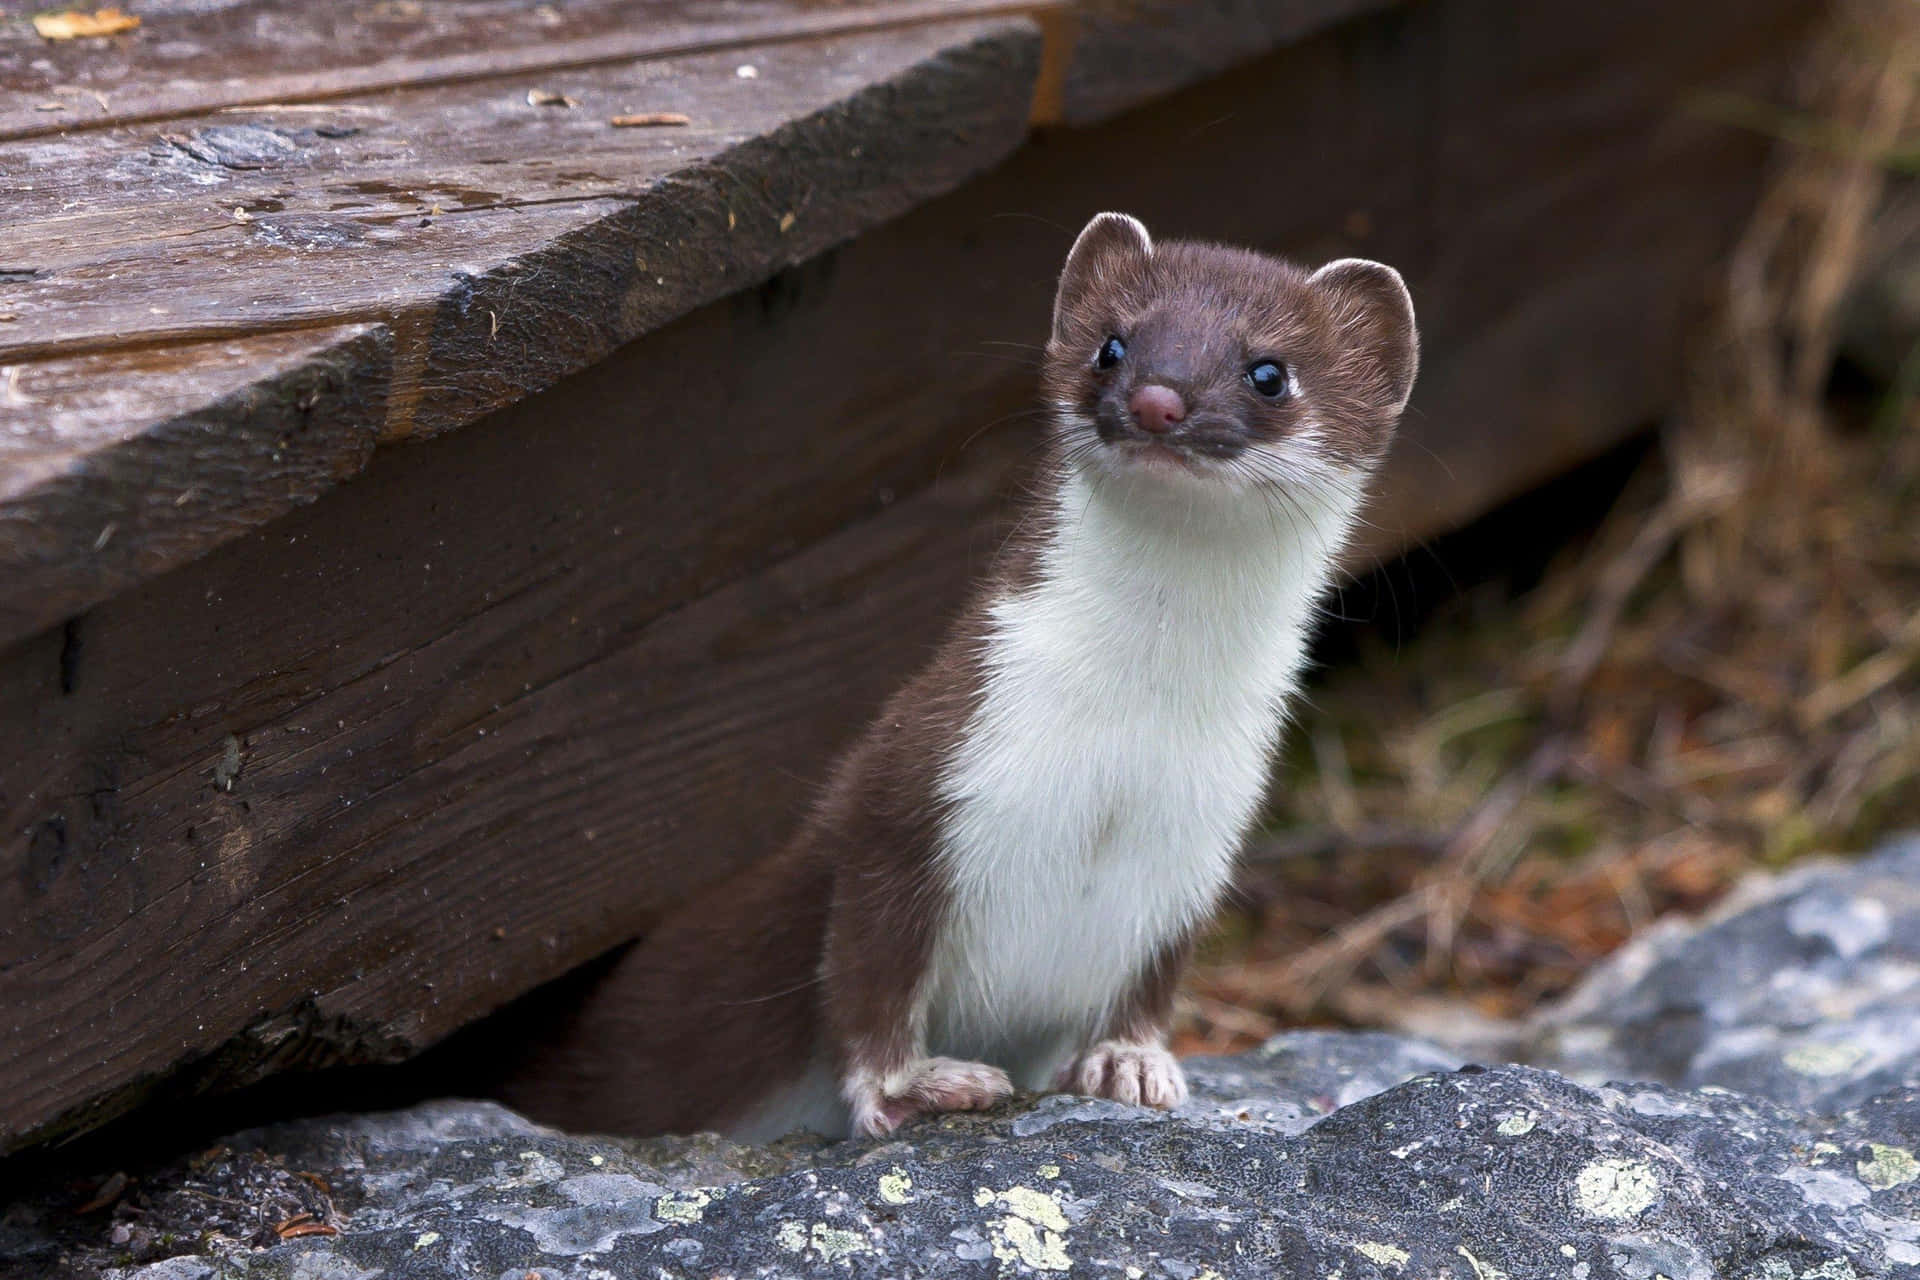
80, 25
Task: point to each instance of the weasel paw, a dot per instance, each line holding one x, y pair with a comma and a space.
1137, 1074
925, 1086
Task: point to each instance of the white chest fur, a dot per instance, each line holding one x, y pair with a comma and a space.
1132, 699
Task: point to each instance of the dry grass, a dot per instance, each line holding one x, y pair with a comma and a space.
1725, 676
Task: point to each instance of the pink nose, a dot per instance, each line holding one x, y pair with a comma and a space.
1156, 408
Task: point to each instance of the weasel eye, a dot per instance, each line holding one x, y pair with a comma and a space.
1269, 378
1112, 352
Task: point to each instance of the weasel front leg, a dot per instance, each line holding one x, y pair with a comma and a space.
875, 963
1136, 1072
1130, 1061
881, 1103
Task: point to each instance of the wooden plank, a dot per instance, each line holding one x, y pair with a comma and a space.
1113, 54
501, 241
284, 966
270, 941
502, 293
337, 666
1573, 215
283, 51
115, 468
470, 198
1125, 53
428, 688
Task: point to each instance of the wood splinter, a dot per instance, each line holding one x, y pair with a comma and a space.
649, 120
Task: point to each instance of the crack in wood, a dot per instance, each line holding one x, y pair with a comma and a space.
642, 43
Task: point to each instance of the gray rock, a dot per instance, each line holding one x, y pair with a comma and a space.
1805, 991
1789, 1154
1472, 1174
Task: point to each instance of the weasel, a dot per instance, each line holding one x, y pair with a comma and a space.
1005, 873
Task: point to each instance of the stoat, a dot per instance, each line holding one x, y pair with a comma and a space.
1005, 873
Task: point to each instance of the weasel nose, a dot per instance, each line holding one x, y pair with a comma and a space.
1156, 408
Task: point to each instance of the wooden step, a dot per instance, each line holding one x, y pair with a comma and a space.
499, 245
388, 164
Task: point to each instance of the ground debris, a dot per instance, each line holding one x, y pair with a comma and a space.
221, 1201
111, 1189
649, 119
78, 25
1726, 674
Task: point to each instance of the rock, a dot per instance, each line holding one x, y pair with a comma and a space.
1804, 990
1474, 1174
1776, 1152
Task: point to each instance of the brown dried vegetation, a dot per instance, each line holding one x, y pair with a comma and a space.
1726, 675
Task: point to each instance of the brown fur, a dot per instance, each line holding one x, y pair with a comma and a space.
815, 948
1196, 315
819, 950
1143, 1013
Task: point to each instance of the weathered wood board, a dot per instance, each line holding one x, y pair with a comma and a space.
190, 58
370, 207
374, 768
81, 433
432, 713
1126, 52
503, 245
393, 164
1112, 54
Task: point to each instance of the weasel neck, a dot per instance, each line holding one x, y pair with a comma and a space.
1183, 575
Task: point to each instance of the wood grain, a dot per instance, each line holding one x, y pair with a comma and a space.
118, 467
1113, 54
503, 243
284, 51
491, 783
414, 202
587, 236
1125, 53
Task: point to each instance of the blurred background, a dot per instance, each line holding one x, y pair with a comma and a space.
1695, 658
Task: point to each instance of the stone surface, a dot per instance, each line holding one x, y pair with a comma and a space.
1804, 990
1783, 1149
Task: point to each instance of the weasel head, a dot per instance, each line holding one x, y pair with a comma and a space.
1222, 369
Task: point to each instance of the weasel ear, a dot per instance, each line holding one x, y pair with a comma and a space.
1370, 304
1112, 246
